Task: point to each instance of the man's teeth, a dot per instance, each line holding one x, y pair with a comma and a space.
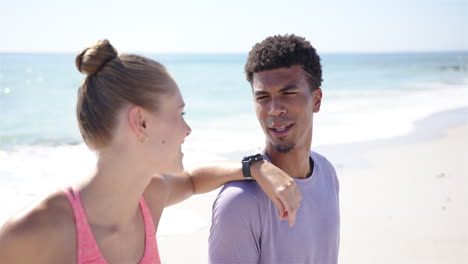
280, 129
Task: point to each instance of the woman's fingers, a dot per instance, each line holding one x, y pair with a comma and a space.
284, 207
280, 206
290, 197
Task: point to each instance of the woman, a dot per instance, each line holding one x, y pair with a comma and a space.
130, 112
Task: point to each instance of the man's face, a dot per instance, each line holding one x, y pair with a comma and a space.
285, 105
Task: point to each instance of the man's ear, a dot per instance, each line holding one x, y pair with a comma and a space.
137, 121
317, 94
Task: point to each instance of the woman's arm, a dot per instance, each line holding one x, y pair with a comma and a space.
278, 186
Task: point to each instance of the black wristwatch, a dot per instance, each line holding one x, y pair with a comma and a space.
246, 161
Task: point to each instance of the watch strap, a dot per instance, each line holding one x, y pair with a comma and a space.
246, 162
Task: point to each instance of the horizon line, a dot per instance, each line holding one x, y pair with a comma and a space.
244, 53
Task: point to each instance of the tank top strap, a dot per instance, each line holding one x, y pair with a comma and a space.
87, 249
151, 247
147, 218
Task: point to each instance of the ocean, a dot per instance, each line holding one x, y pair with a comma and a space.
366, 97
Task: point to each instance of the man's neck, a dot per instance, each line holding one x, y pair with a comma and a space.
296, 162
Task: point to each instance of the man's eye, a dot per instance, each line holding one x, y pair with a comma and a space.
290, 93
261, 97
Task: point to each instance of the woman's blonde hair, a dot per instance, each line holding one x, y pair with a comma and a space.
113, 81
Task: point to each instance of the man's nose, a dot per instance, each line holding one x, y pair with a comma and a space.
276, 108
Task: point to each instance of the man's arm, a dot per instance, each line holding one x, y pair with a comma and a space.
278, 186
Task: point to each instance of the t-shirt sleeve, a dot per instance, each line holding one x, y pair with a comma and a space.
235, 228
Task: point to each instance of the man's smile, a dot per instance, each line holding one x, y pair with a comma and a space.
280, 130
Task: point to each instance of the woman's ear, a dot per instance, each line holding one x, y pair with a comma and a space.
138, 121
317, 94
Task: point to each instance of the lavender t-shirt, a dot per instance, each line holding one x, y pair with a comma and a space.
246, 228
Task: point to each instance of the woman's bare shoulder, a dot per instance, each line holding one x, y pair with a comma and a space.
35, 234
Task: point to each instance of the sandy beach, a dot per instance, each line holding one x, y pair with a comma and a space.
403, 200
410, 206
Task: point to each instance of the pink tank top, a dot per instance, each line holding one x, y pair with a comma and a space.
88, 251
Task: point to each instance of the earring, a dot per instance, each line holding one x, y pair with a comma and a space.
143, 139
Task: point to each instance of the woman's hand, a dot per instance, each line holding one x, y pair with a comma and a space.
279, 187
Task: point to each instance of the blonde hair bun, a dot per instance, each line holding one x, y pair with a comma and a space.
91, 59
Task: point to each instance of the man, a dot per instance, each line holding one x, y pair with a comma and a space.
285, 75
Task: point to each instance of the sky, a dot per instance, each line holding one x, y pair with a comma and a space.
210, 26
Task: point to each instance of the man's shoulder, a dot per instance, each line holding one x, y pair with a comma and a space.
317, 157
241, 194
238, 208
326, 168
321, 160
242, 190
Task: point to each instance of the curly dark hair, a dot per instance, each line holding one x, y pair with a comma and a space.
285, 51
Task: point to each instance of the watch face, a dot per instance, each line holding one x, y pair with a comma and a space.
258, 157
253, 158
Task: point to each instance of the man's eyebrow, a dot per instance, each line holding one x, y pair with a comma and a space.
288, 88
257, 93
